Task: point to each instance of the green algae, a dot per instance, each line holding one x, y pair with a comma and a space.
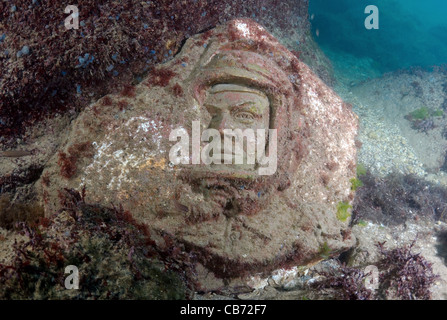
342, 211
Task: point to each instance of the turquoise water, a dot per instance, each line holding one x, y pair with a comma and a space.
411, 33
389, 73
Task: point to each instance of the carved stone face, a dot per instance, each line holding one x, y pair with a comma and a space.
233, 107
237, 107
227, 186
231, 219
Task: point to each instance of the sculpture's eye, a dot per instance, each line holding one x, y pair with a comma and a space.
244, 116
215, 118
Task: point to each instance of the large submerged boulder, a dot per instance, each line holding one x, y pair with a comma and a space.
232, 220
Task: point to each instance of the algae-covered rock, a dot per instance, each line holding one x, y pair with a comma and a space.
113, 255
232, 219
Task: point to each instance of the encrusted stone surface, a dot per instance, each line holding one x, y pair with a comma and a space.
233, 222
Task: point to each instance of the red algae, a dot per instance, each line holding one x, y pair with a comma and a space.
51, 79
177, 90
160, 77
122, 104
107, 101
128, 91
68, 161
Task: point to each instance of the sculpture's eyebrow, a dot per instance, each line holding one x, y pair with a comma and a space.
235, 88
239, 105
244, 104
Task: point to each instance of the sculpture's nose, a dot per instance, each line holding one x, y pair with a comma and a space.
222, 122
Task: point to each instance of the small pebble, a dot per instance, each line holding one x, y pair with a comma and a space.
25, 50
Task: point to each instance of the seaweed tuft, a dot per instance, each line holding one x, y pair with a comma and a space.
405, 275
115, 256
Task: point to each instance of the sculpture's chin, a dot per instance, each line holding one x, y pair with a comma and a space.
237, 172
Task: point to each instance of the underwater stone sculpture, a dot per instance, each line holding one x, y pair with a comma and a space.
232, 220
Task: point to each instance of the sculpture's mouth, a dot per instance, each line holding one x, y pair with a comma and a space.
231, 151
225, 171
233, 159
230, 162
